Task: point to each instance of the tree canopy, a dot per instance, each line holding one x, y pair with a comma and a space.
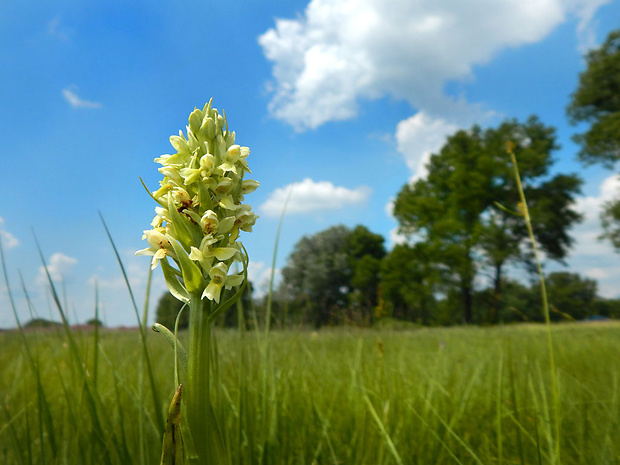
408, 279
329, 269
597, 102
570, 295
455, 211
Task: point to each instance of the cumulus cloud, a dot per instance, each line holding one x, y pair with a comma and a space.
8, 240
76, 102
309, 195
420, 136
59, 267
339, 51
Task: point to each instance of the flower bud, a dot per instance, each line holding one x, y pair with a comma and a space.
207, 130
195, 121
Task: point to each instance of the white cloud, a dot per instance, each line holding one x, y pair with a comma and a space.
418, 137
339, 51
59, 267
585, 11
308, 196
76, 102
396, 238
388, 209
260, 276
8, 240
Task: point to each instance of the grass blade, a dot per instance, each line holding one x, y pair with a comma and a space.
384, 433
155, 396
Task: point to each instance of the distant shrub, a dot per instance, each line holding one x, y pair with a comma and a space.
41, 323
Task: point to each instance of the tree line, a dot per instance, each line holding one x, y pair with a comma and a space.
462, 229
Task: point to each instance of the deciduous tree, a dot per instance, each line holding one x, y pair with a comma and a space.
571, 296
408, 281
461, 210
597, 103
325, 269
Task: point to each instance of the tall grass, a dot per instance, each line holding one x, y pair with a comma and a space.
440, 396
554, 411
503, 395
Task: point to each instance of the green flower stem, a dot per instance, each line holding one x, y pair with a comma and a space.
197, 397
208, 443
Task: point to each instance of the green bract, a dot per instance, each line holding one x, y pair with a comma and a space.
201, 209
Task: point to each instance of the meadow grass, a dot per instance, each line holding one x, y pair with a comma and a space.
518, 394
336, 396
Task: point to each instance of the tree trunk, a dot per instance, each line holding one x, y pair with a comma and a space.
467, 284
497, 292
466, 293
424, 310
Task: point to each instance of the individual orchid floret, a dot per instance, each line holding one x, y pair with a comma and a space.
246, 218
220, 278
160, 246
248, 186
231, 157
181, 197
224, 186
209, 222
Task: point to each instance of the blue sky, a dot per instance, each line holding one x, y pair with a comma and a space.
343, 99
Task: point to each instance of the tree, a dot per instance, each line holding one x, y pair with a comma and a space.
325, 269
408, 282
597, 102
570, 296
41, 323
455, 211
610, 219
519, 302
364, 250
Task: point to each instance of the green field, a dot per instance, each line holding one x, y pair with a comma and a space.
337, 396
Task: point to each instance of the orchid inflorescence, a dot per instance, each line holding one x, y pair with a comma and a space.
200, 210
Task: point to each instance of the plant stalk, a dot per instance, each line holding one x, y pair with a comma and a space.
203, 439
545, 303
196, 395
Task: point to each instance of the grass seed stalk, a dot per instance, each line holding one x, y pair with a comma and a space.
523, 210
